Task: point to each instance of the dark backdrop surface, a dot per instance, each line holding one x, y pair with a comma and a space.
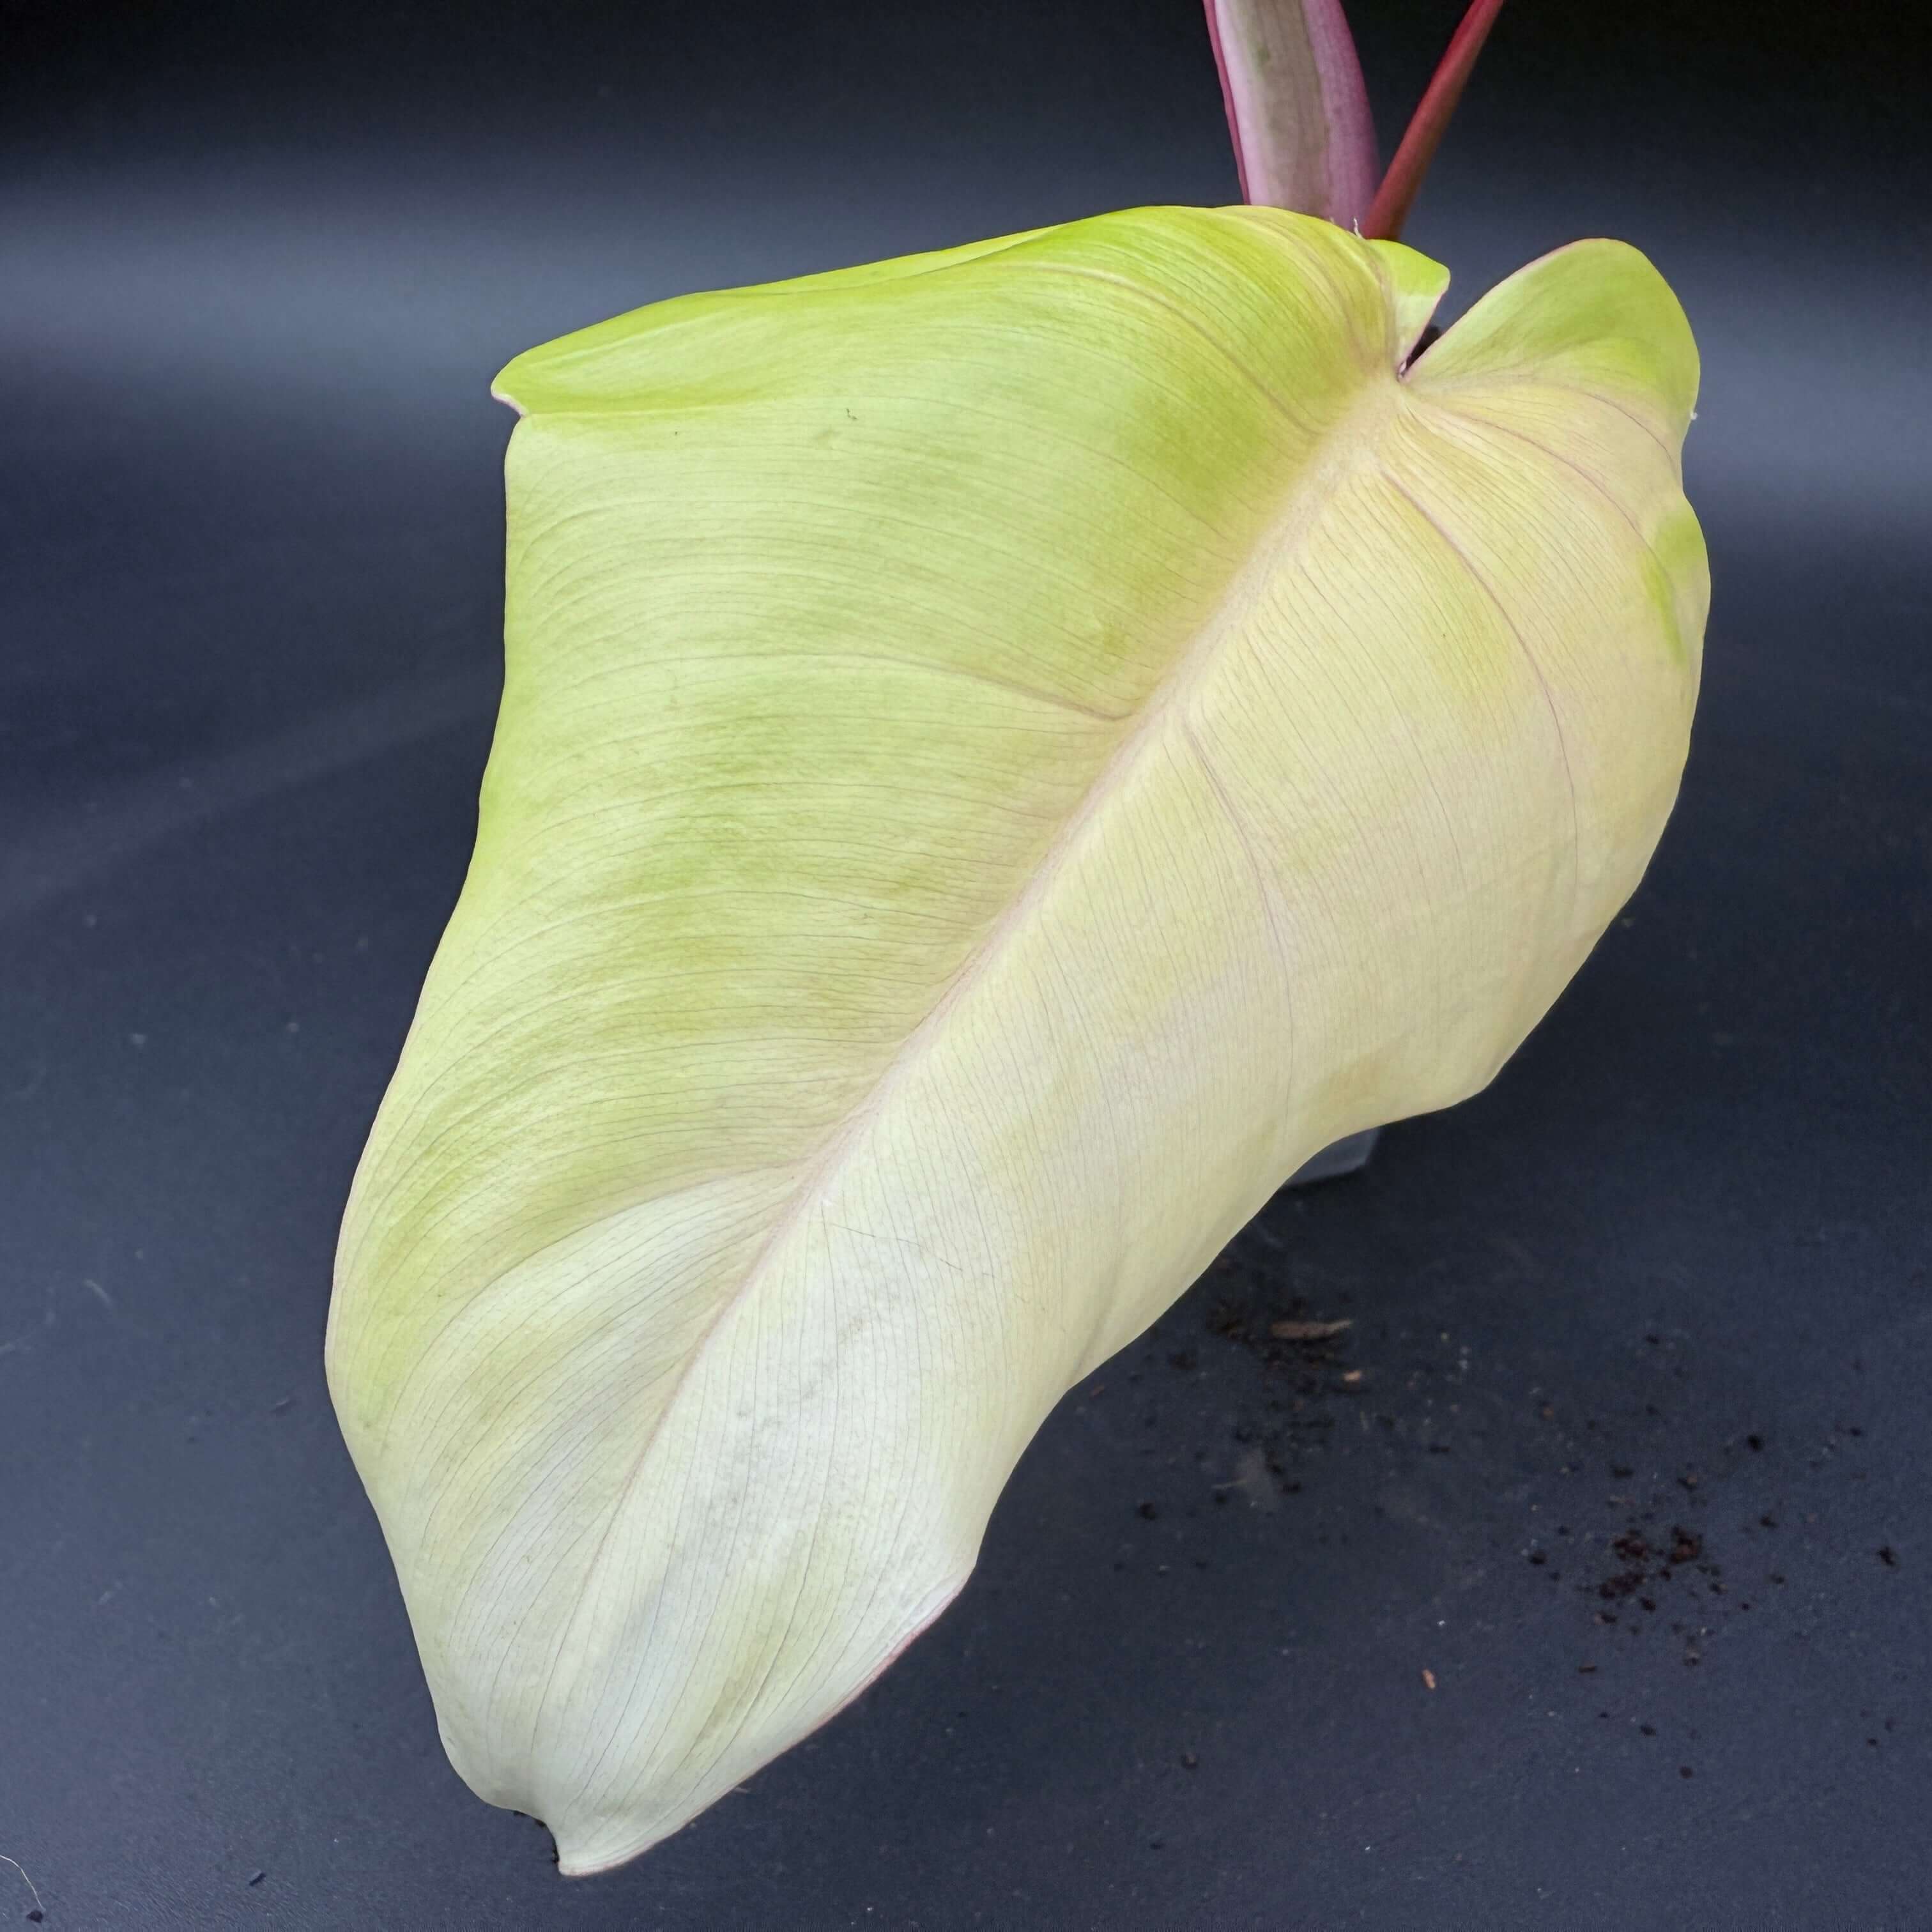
1628, 1451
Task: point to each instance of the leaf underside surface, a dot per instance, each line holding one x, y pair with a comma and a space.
1004, 753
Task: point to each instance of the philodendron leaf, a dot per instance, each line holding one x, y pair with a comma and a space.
1298, 111
1003, 754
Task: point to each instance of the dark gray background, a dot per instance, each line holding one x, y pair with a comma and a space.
257, 265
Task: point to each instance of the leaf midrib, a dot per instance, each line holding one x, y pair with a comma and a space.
1356, 430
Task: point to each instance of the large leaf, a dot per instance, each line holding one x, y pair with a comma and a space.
1004, 753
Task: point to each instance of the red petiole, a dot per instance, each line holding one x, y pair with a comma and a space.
1403, 181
